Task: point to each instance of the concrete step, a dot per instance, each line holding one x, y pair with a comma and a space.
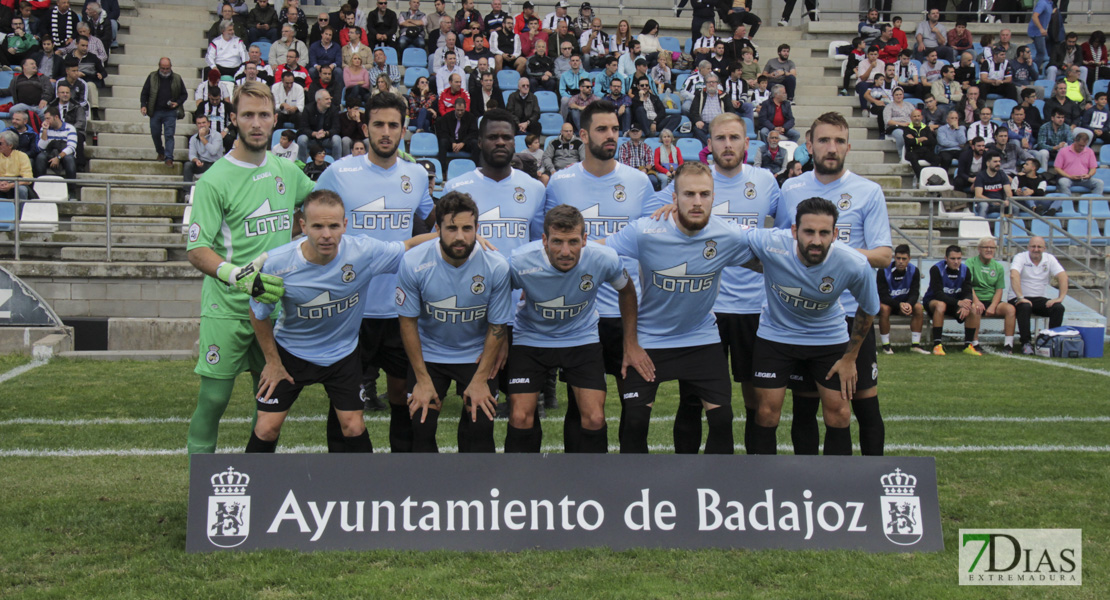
137, 81
867, 157
128, 177
153, 52
119, 99
118, 254
124, 115
180, 33
133, 167
144, 70
181, 61
174, 212
134, 140
142, 127
116, 153
128, 241
150, 225
904, 209
124, 195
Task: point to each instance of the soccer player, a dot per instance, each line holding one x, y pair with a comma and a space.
315, 339
680, 261
899, 291
745, 196
862, 224
557, 327
242, 208
609, 195
454, 305
802, 328
384, 196
951, 294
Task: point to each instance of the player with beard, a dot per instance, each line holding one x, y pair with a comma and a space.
244, 209
454, 305
383, 196
609, 195
862, 224
681, 260
801, 330
557, 328
510, 202
744, 196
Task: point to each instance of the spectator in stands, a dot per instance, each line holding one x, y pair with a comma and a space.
667, 157
969, 165
564, 150
1095, 57
205, 147
239, 6
316, 32
316, 167
930, 34
319, 125
450, 68
293, 65
100, 26
877, 99
772, 156
18, 45
570, 83
1031, 273
74, 114
13, 163
505, 46
969, 106
28, 137
735, 46
951, 294
740, 13
1075, 88
1095, 119
540, 69
951, 139
920, 143
287, 146
626, 65
553, 18
30, 90
495, 16
603, 78
776, 115
992, 187
90, 67
896, 115
1060, 100
932, 113
966, 73
466, 16
58, 146
288, 99
1009, 151
621, 102
584, 98
649, 112
82, 92
1075, 164
384, 86
530, 37
636, 154
453, 95
280, 49
284, 14
959, 39
434, 22
226, 52
781, 70
906, 76
382, 25
227, 15
997, 77
474, 78
703, 46
61, 25
163, 101
352, 129
1030, 184
1023, 70
356, 82
353, 32
866, 71
249, 72
562, 37
899, 295
325, 53
487, 96
1005, 42
1064, 56
381, 68
1033, 114
265, 70
983, 127
581, 24
736, 93
649, 41
931, 70
1054, 135
355, 47
718, 62
619, 41
219, 113
889, 48
661, 73
294, 17
710, 102
595, 45
262, 22
457, 131
525, 107
1022, 133
869, 28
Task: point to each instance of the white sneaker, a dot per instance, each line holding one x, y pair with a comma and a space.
783, 24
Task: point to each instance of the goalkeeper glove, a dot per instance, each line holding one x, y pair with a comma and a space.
250, 279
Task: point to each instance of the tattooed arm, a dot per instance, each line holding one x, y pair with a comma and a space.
477, 394
845, 368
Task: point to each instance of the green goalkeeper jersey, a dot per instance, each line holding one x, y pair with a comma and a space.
986, 278
240, 211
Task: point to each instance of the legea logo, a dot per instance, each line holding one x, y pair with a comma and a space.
1021, 557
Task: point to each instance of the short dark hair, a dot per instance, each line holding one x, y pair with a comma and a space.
976, 140
815, 206
1036, 163
53, 111
831, 118
953, 248
1058, 111
324, 197
314, 149
1027, 92
902, 249
783, 47
1100, 95
289, 134
388, 100
928, 95
610, 60
906, 52
453, 203
603, 107
961, 22
563, 217
1018, 107
992, 153
497, 115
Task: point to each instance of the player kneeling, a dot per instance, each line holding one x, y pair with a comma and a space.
557, 328
315, 339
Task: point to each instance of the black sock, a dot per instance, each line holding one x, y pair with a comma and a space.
634, 434
838, 441
749, 427
765, 440
476, 436
400, 428
938, 335
572, 424
516, 440
424, 434
257, 444
969, 336
334, 432
719, 440
359, 443
687, 425
804, 431
595, 441
872, 431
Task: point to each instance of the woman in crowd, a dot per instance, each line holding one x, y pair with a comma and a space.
422, 106
356, 81
649, 42
667, 156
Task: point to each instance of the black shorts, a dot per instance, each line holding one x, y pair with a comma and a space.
611, 332
380, 341
950, 310
340, 380
700, 370
867, 366
443, 374
581, 366
738, 339
777, 364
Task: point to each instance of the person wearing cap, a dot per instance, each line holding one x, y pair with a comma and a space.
352, 127
553, 18
638, 155
520, 23
585, 17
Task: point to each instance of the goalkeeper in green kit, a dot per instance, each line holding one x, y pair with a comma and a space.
243, 207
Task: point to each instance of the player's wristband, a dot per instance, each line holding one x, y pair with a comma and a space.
223, 270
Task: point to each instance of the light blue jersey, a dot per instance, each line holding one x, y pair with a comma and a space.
321, 309
679, 277
863, 222
608, 204
380, 203
510, 211
559, 309
745, 200
803, 306
455, 305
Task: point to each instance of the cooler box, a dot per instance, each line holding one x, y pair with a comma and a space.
1094, 337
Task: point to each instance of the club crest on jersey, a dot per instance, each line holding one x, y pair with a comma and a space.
710, 250
194, 235
399, 297
845, 202
618, 193
348, 273
213, 355
587, 283
518, 195
826, 285
992, 272
749, 190
406, 184
280, 185
479, 285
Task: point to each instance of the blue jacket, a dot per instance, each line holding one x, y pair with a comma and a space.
318, 55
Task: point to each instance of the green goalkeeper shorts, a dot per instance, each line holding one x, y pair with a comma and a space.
227, 348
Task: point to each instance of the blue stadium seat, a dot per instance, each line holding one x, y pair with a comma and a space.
458, 167
520, 143
1102, 85
680, 80
6, 78
424, 145
678, 130
653, 143
264, 48
690, 147
549, 101
689, 46
750, 126
1039, 105
801, 154
390, 55
7, 215
1002, 108
414, 57
506, 93
1104, 156
1103, 175
675, 99
670, 43
918, 102
551, 123
1045, 229
414, 73
274, 139
507, 78
1079, 229
755, 148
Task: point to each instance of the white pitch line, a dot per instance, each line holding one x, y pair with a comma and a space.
1050, 363
21, 369
553, 420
